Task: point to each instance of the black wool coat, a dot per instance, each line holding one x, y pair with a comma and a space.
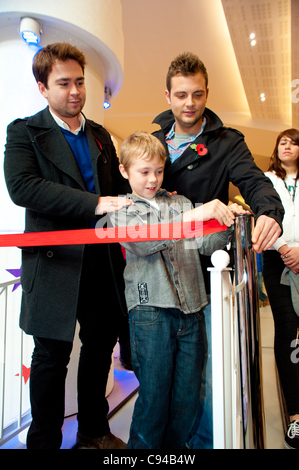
222, 157
42, 175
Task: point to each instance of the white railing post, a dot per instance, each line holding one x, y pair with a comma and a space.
221, 348
227, 433
3, 360
20, 380
20, 424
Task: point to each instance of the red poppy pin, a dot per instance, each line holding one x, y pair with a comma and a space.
200, 149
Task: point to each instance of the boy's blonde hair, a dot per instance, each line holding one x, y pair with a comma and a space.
140, 145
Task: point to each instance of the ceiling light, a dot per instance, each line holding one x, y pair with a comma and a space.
263, 98
252, 37
30, 31
107, 97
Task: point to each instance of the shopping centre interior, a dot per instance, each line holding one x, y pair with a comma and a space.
251, 51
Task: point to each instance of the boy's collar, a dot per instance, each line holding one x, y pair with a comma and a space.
161, 192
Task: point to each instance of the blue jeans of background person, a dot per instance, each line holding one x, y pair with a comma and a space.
167, 348
201, 436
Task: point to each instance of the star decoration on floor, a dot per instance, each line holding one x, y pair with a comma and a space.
25, 373
16, 273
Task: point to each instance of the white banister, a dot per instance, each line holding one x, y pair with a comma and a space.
21, 423
226, 408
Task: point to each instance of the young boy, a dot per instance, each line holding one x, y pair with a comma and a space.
165, 295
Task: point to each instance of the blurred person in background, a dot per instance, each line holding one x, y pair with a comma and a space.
280, 271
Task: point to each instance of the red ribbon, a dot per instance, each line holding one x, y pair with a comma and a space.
174, 231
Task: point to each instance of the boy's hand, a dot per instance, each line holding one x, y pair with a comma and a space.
214, 210
217, 210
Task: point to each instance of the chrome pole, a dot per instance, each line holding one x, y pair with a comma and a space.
251, 386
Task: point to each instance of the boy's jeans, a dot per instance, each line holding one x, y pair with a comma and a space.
201, 436
168, 351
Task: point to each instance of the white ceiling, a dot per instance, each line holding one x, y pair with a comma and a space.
156, 31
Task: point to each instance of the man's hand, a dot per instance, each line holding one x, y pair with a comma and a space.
265, 233
112, 204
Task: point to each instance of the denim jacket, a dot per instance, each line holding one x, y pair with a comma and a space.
165, 273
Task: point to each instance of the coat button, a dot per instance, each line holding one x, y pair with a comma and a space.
50, 254
104, 160
190, 167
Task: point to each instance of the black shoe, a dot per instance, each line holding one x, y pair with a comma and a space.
109, 441
292, 436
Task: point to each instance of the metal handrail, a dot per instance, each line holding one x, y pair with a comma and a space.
238, 407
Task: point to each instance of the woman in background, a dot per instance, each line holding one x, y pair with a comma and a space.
283, 259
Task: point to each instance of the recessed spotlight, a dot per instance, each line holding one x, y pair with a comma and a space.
263, 97
252, 38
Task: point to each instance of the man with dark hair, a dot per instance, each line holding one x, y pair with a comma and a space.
63, 169
186, 64
51, 54
203, 156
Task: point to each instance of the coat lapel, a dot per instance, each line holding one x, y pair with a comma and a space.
52, 143
189, 157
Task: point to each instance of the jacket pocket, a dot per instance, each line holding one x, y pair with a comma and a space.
30, 262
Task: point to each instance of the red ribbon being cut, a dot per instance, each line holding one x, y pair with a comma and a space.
178, 230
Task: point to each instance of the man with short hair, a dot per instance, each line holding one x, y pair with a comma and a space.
203, 156
63, 169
